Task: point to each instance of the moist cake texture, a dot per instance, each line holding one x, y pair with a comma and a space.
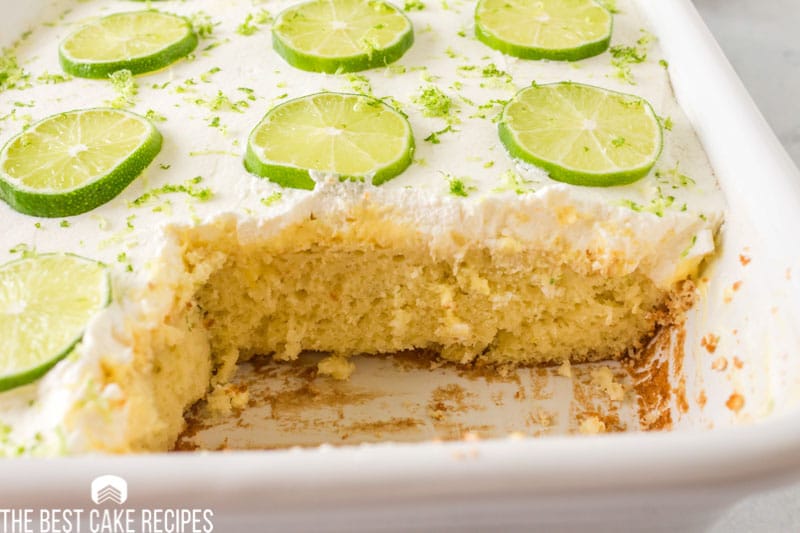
467, 253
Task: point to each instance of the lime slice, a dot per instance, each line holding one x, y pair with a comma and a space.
581, 134
341, 35
45, 303
71, 163
139, 41
565, 30
346, 135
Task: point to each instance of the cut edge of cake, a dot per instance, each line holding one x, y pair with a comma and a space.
369, 272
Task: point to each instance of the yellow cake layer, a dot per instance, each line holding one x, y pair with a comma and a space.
316, 287
342, 295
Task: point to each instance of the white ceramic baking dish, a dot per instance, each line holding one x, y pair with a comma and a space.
734, 430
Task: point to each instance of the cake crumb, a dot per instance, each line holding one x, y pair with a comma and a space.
337, 367
604, 378
542, 418
709, 342
471, 436
729, 291
592, 425
702, 399
565, 370
719, 364
224, 399
735, 403
650, 418
727, 295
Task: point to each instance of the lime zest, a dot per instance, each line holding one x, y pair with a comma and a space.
53, 79
205, 77
154, 116
496, 78
457, 187
122, 257
202, 24
433, 138
490, 108
623, 57
657, 206
12, 75
126, 88
253, 22
514, 182
223, 102
689, 248
434, 102
23, 249
189, 188
673, 177
360, 84
272, 199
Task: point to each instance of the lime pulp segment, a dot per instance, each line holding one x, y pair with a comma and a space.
582, 135
139, 41
46, 302
341, 35
345, 135
565, 30
72, 162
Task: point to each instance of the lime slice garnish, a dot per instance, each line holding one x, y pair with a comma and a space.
345, 135
341, 35
72, 162
46, 302
581, 134
139, 41
565, 30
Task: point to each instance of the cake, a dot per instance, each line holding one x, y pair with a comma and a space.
469, 253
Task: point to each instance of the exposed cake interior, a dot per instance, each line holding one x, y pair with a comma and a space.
313, 290
367, 285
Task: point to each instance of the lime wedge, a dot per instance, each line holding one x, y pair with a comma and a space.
565, 30
345, 135
139, 41
72, 162
46, 302
581, 134
341, 35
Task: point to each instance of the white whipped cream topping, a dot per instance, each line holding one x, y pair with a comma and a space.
659, 224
